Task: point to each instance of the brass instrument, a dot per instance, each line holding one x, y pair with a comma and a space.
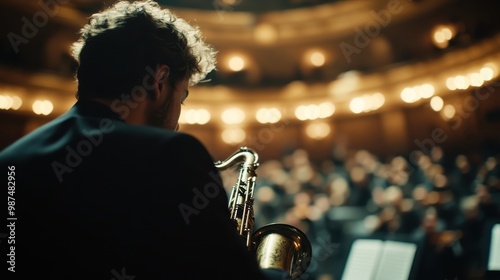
276, 246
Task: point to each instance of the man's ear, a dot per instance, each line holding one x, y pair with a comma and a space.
161, 76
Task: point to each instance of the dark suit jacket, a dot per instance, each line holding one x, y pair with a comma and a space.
97, 198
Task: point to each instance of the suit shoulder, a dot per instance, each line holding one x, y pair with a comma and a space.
173, 141
187, 142
147, 132
185, 138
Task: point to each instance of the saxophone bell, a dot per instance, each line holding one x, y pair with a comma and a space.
282, 246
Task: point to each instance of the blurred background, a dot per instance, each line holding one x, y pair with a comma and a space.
372, 119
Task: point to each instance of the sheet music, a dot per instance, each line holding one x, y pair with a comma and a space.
363, 259
379, 260
494, 258
396, 261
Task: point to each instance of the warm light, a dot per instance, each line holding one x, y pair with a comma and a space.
409, 95
233, 116
307, 112
314, 57
233, 135
16, 102
265, 33
357, 105
345, 83
326, 109
486, 73
318, 130
296, 88
442, 35
368, 102
42, 107
450, 83
449, 112
413, 94
447, 33
236, 63
439, 37
300, 113
436, 103
6, 102
461, 82
426, 90
372, 101
313, 111
378, 100
268, 115
195, 116
317, 58
476, 80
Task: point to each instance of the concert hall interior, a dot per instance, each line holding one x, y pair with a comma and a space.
374, 120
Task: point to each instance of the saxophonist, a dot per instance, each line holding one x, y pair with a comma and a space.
111, 189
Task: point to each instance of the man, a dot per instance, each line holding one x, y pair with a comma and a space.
110, 190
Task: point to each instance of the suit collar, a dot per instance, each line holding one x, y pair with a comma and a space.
92, 108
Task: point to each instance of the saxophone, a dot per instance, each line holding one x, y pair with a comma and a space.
275, 246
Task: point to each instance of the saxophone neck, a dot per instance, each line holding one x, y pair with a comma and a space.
243, 157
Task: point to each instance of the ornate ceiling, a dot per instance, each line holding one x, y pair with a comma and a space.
292, 53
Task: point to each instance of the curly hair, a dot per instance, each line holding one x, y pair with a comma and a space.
119, 43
